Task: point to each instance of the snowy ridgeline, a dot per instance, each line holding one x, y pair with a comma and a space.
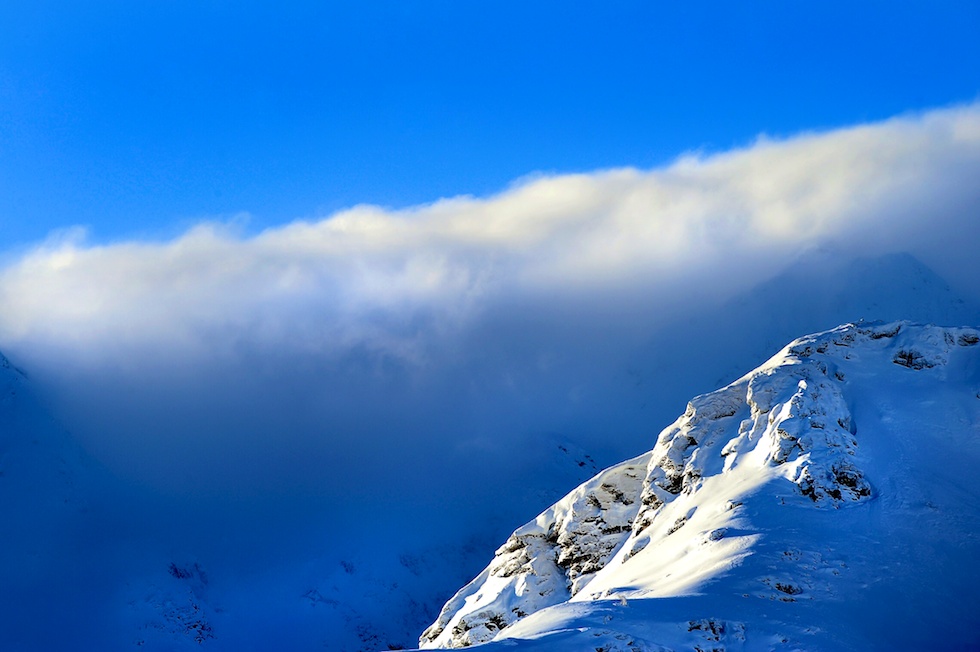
826, 500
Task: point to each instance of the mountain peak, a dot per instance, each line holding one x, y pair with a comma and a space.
832, 475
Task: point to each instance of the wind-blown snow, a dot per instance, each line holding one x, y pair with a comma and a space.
824, 501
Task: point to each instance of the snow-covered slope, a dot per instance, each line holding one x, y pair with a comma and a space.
546, 561
827, 500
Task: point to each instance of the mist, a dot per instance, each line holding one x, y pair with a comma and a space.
297, 389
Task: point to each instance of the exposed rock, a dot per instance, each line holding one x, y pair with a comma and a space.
675, 518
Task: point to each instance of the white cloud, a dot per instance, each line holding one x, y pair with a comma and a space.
507, 314
362, 273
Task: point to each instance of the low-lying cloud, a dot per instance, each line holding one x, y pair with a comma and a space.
412, 371
374, 334
389, 280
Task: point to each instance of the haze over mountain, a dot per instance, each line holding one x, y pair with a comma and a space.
315, 434
306, 306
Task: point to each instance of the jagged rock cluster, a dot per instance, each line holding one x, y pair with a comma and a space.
545, 562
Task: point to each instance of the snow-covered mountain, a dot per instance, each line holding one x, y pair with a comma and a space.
825, 501
710, 346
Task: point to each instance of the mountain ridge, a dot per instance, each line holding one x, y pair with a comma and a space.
737, 508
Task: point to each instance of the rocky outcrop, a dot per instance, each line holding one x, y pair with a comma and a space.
547, 561
664, 523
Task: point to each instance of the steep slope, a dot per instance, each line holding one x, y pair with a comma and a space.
546, 561
70, 548
46, 485
43, 474
823, 501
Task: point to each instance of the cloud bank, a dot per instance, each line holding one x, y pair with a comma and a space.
388, 280
377, 334
382, 379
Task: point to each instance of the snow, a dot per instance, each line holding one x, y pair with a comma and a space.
545, 562
824, 501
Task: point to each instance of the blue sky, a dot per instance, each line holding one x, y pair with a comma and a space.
140, 119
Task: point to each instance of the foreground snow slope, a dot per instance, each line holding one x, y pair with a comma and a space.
827, 500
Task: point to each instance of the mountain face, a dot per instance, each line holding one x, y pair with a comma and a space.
711, 346
827, 500
47, 506
44, 476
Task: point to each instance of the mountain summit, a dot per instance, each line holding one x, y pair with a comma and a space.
825, 501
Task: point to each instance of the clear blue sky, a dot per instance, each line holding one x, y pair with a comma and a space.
139, 118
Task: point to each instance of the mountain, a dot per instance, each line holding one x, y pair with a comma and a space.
825, 501
46, 501
75, 568
712, 345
